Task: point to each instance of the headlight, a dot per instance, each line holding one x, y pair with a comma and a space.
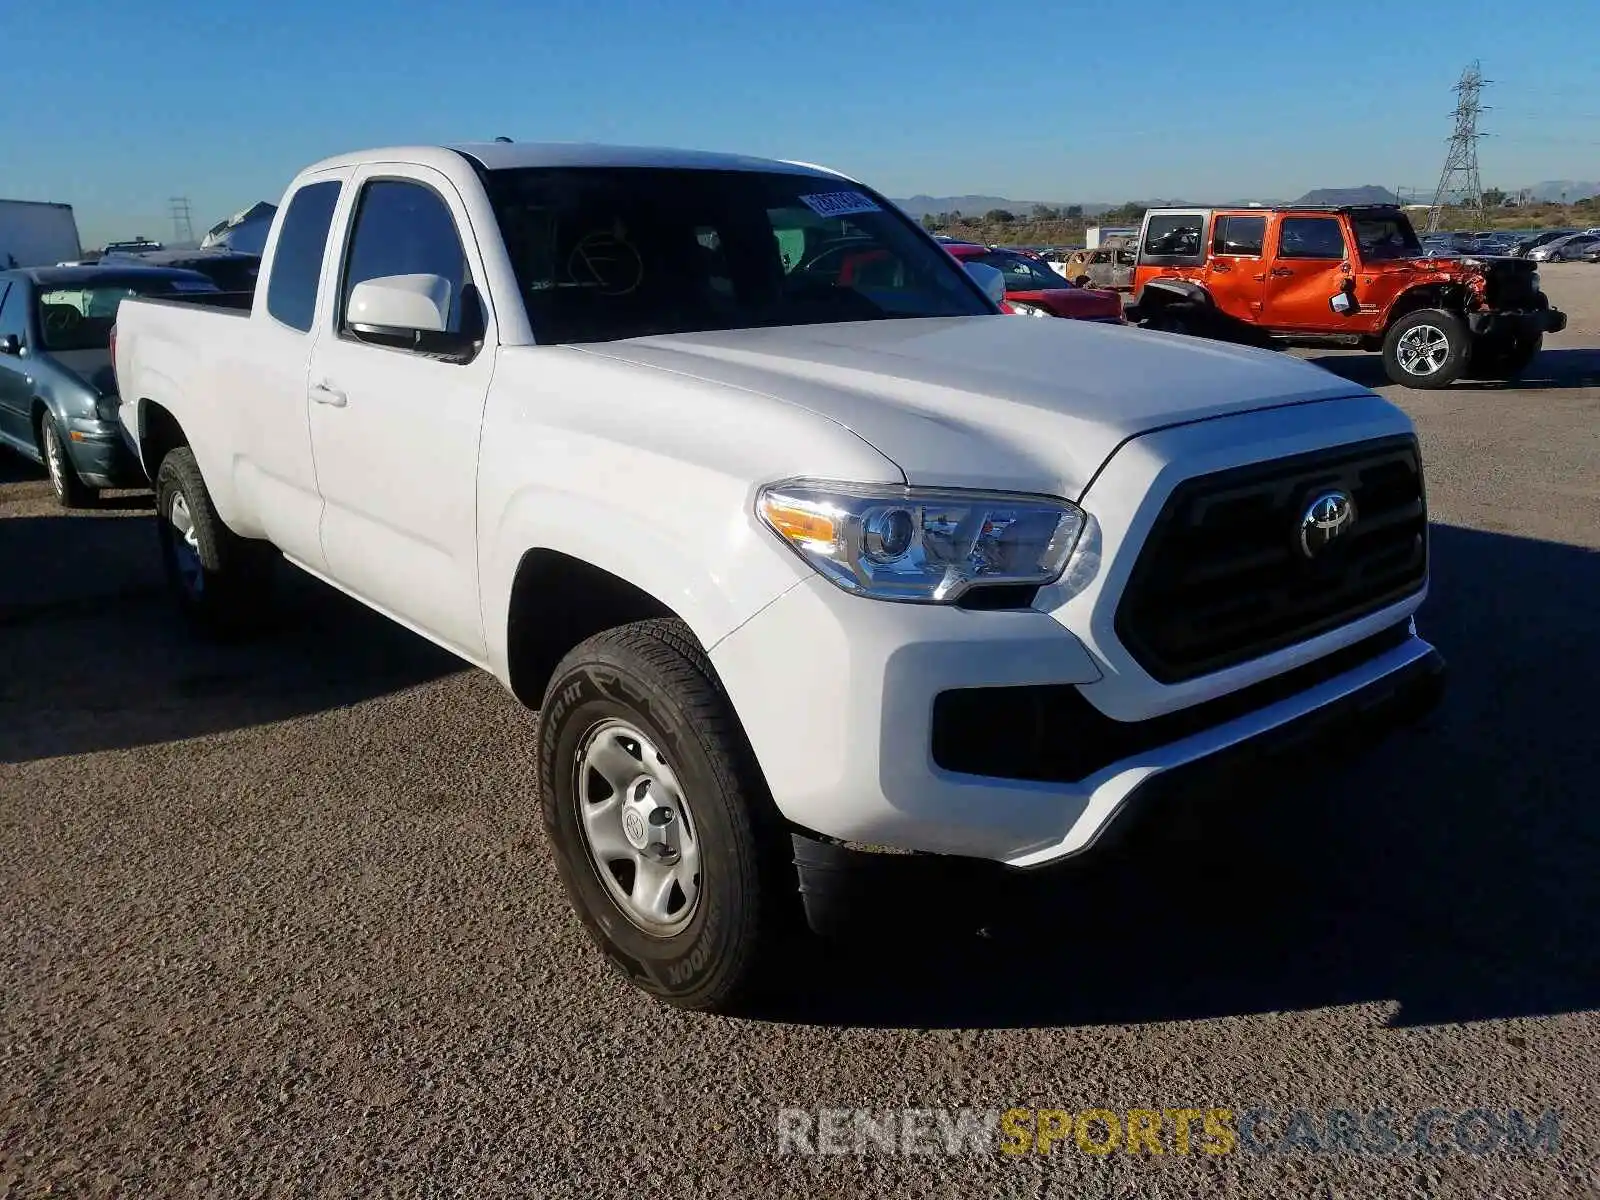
921, 545
1021, 309
106, 408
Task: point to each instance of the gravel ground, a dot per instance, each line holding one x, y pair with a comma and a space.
279, 920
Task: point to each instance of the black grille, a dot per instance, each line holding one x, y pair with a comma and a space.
1509, 284
1223, 579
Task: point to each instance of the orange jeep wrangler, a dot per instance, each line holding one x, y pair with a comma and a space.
1348, 275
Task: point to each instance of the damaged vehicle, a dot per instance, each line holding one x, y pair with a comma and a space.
1345, 275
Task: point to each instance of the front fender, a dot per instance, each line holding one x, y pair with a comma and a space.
713, 576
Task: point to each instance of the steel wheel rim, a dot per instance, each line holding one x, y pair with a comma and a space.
55, 463
642, 839
185, 545
1423, 349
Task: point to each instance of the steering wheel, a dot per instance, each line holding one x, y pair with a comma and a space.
62, 319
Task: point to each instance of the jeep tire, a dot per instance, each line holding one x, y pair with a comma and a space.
222, 581
1429, 348
1504, 357
664, 833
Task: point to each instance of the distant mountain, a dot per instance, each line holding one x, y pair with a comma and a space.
976, 206
1552, 190
1368, 194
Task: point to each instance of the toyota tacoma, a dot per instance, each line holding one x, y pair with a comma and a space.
801, 573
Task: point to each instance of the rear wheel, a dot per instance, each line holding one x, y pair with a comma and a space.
1505, 357
665, 838
222, 581
71, 492
1430, 348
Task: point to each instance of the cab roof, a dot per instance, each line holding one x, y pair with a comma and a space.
499, 156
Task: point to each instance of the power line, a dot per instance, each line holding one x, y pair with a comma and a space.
182, 226
1460, 174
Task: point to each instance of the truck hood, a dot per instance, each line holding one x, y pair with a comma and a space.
997, 402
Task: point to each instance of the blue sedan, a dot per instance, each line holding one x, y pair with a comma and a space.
58, 391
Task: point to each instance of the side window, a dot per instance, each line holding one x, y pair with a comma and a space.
1310, 237
1242, 236
13, 309
405, 228
1175, 235
297, 264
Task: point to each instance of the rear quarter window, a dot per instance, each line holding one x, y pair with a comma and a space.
297, 262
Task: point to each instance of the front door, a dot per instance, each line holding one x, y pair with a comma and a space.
1310, 264
1236, 273
16, 391
395, 430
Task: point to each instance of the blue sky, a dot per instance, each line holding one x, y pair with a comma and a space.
222, 102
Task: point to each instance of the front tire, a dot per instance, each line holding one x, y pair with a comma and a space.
71, 491
222, 581
1429, 348
664, 834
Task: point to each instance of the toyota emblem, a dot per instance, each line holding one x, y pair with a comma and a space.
1328, 517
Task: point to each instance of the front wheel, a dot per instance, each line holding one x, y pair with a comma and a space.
71, 491
1430, 348
665, 838
221, 580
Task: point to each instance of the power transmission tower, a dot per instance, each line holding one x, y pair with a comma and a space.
1460, 175
182, 226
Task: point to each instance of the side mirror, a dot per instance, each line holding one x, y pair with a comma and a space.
991, 279
1344, 300
11, 344
400, 305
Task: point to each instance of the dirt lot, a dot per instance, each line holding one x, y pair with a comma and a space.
280, 920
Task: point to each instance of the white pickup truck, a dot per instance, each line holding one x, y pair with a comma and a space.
803, 550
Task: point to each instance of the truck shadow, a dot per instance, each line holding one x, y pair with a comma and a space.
1553, 369
94, 657
1451, 874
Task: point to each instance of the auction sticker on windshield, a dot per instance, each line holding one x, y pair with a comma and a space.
839, 204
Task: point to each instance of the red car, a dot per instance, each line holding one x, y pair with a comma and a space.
1034, 290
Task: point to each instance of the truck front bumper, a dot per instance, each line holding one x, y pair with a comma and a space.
848, 706
1529, 322
839, 883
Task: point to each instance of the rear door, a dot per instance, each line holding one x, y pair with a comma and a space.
1236, 274
395, 429
1310, 263
267, 378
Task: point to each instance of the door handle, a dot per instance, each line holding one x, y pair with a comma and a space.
1259, 278
324, 393
1280, 272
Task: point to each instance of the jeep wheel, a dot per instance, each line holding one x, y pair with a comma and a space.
220, 579
1504, 358
664, 835
1430, 348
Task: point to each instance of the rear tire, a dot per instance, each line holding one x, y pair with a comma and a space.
634, 721
1429, 348
1504, 358
222, 582
71, 491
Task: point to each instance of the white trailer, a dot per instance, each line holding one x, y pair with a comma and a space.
37, 234
1096, 235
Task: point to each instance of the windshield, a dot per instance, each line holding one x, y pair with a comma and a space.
1386, 237
80, 318
620, 252
1022, 273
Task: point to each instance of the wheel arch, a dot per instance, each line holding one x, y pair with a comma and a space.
1452, 297
159, 434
